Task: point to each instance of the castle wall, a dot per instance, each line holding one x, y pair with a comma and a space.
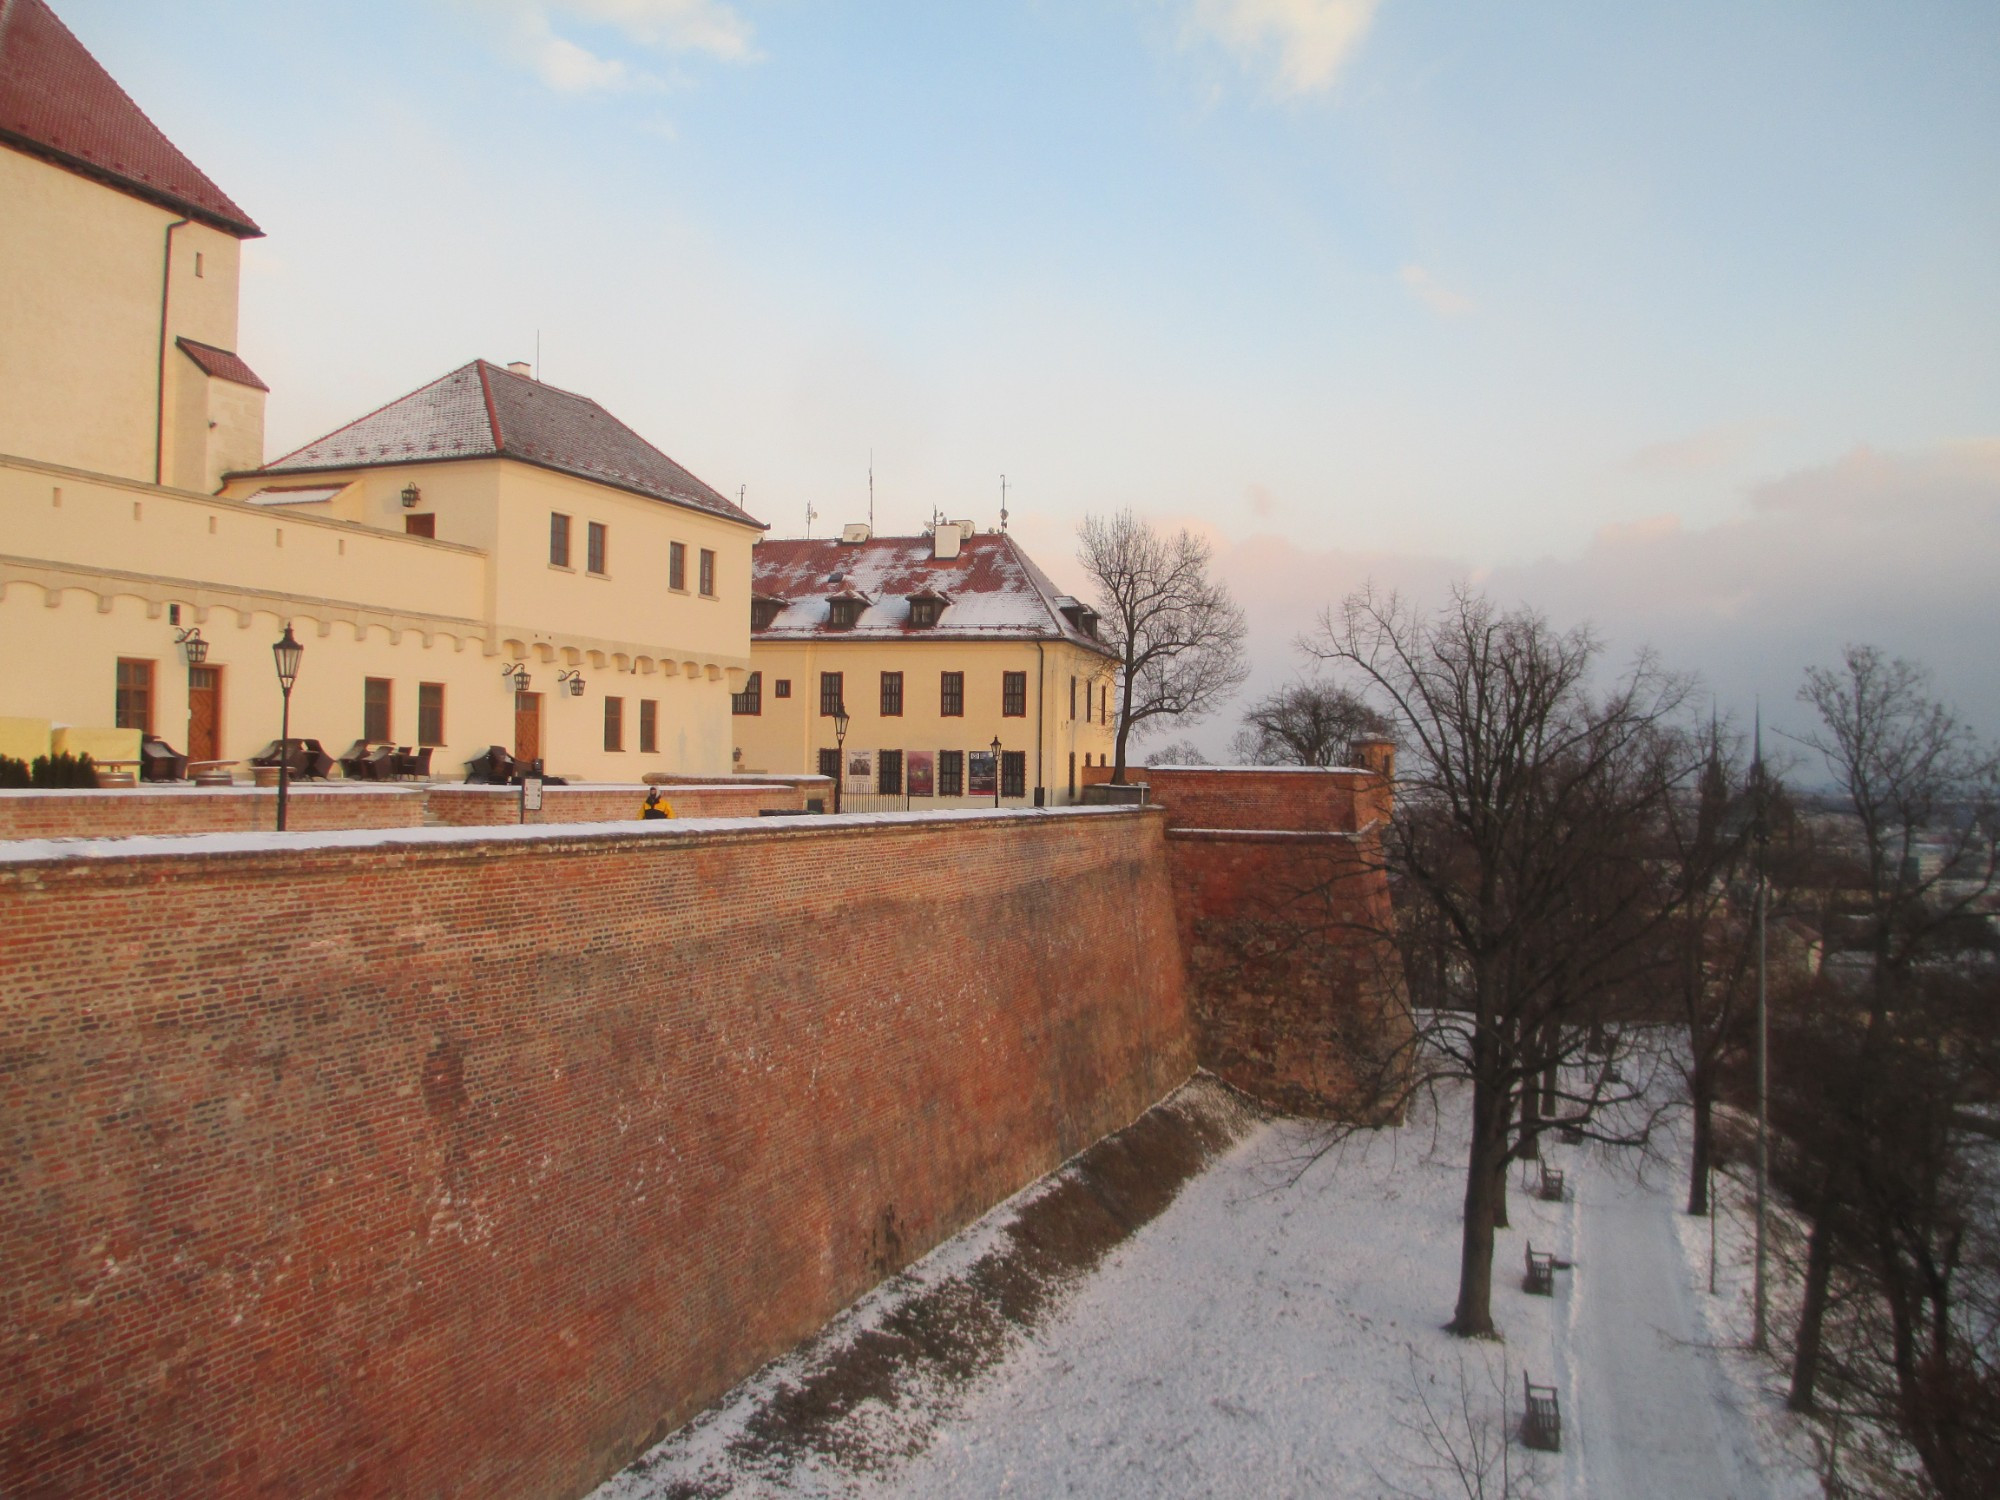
467, 1162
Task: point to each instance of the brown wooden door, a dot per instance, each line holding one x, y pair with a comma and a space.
204, 740
527, 726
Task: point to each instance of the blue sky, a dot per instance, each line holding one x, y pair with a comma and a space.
1598, 305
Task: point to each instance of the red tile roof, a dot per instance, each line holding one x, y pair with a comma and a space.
993, 590
57, 102
220, 363
482, 410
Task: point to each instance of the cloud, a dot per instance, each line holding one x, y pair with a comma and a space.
667, 27
1701, 452
1309, 40
1427, 289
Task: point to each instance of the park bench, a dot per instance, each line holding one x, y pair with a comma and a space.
1541, 1277
1541, 1418
1552, 1184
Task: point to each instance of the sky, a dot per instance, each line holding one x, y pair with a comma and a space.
1682, 320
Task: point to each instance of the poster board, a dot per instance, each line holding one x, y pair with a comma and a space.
921, 767
982, 773
860, 771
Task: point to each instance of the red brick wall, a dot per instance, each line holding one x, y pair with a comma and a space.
486, 806
189, 809
1282, 908
466, 1163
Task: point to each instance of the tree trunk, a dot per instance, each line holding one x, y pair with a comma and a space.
1529, 1146
1812, 1310
1124, 731
1485, 1169
1704, 1142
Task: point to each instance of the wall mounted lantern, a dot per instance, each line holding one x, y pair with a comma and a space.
197, 649
411, 495
518, 671
996, 770
286, 652
574, 677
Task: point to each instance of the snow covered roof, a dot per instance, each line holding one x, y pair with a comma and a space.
58, 103
483, 410
991, 590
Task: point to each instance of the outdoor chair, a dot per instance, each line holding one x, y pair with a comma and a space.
159, 761
1541, 1417
350, 763
1552, 1185
379, 764
494, 768
415, 763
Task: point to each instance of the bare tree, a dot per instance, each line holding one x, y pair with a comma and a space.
1178, 634
1526, 823
1307, 723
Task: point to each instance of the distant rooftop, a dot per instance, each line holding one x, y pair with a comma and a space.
58, 103
484, 410
990, 590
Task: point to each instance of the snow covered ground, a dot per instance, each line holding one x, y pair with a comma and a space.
1273, 1333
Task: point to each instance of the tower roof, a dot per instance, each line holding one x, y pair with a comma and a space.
58, 103
483, 410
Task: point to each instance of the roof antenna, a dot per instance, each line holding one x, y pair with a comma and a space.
1003, 504
871, 491
811, 516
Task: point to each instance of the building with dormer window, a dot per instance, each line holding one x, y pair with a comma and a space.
935, 646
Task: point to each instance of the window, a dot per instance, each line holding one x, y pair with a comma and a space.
830, 695
764, 611
597, 540
614, 723
430, 713
677, 566
782, 688
1013, 773
375, 725
649, 726
1072, 773
892, 695
134, 703
751, 699
829, 763
558, 539
707, 573
842, 613
1072, 698
1014, 695
951, 694
199, 269
923, 612
423, 525
951, 773
889, 773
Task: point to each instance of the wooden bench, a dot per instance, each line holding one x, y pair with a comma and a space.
1552, 1185
1541, 1418
1541, 1277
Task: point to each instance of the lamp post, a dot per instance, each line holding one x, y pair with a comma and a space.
840, 723
996, 770
286, 652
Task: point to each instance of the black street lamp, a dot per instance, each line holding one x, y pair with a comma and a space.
286, 652
840, 723
996, 770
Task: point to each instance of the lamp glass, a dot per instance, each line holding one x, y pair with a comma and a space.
840, 723
521, 679
286, 652
197, 651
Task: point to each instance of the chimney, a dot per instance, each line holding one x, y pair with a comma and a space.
946, 540
522, 367
1379, 757
855, 532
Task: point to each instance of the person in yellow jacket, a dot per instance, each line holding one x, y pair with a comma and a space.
656, 806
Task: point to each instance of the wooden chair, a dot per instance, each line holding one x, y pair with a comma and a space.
1541, 1417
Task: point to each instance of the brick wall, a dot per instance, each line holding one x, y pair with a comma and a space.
190, 809
464, 1163
1282, 907
486, 806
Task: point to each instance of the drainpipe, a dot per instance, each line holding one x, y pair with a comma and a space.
160, 367
1041, 696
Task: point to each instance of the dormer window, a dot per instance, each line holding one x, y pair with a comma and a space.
841, 614
923, 612
763, 611
1081, 617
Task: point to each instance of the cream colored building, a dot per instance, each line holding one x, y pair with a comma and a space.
417, 551
936, 646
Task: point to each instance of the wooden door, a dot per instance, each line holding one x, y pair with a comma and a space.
527, 726
204, 741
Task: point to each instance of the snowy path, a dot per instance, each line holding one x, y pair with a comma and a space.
1650, 1411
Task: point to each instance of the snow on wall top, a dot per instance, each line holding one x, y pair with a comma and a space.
994, 590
